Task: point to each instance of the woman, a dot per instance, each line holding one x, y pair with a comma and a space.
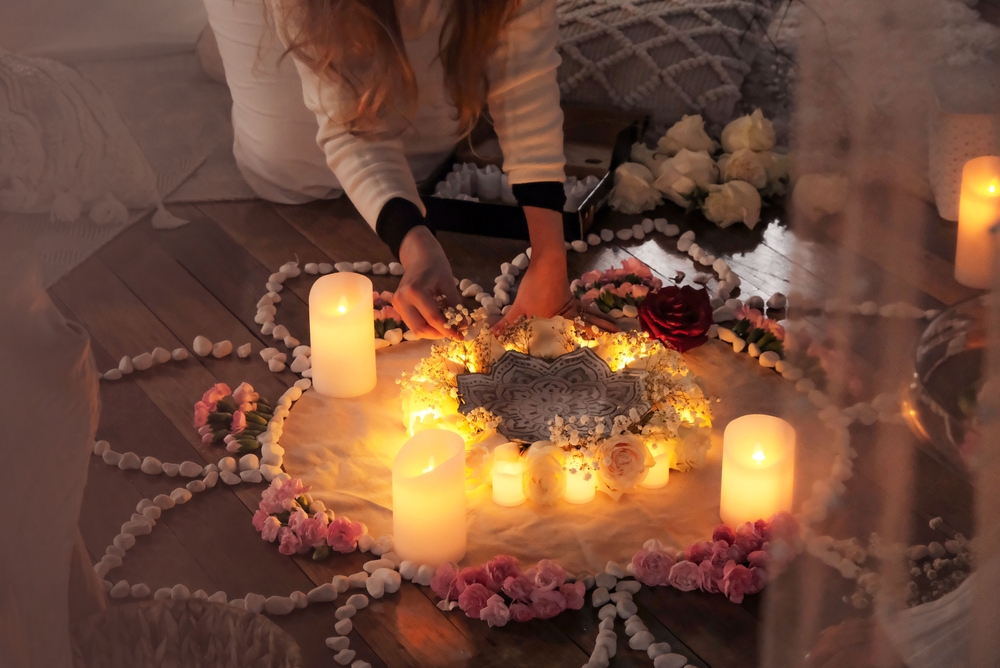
388, 90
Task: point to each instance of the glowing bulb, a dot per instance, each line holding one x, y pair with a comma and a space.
342, 306
992, 188
430, 465
758, 455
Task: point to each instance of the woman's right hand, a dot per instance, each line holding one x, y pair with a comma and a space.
426, 276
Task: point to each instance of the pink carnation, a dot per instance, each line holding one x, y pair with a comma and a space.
748, 539
711, 577
782, 526
639, 292
755, 317
473, 575
201, 411
518, 588
259, 518
473, 599
635, 266
698, 552
310, 530
245, 394
521, 612
724, 532
590, 277
685, 576
239, 422
289, 543
342, 534
495, 612
758, 559
546, 604
758, 580
774, 328
652, 564
590, 295
444, 579
387, 312
547, 575
499, 568
737, 581
281, 495
269, 531
573, 594
215, 393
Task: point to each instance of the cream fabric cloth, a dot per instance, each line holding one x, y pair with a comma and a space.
343, 449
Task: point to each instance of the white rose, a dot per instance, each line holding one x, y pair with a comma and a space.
684, 172
544, 478
776, 165
743, 165
547, 338
691, 447
647, 157
689, 133
753, 132
733, 202
634, 191
818, 195
622, 463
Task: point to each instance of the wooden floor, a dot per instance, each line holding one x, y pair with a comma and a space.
162, 288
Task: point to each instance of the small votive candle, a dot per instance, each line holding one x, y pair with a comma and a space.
508, 475
659, 475
341, 335
428, 498
978, 211
758, 469
581, 486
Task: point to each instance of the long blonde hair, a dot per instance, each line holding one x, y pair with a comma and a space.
360, 43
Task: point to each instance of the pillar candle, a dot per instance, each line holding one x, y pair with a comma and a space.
579, 489
659, 475
428, 498
508, 475
341, 335
978, 211
758, 469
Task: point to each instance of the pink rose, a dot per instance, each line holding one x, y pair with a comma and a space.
573, 594
259, 518
443, 580
520, 612
342, 534
652, 564
499, 568
239, 422
215, 393
747, 538
518, 588
201, 411
473, 599
737, 581
758, 580
245, 394
269, 531
724, 532
758, 559
685, 576
711, 577
495, 612
289, 543
546, 604
548, 575
698, 552
310, 530
473, 575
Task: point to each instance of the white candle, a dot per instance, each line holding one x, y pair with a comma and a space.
659, 475
341, 335
428, 498
580, 489
978, 211
508, 475
758, 469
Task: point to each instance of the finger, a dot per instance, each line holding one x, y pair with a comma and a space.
412, 317
512, 316
432, 315
603, 323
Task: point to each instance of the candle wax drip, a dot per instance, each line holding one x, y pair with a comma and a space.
430, 465
758, 455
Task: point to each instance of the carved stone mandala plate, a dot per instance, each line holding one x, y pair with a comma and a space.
528, 392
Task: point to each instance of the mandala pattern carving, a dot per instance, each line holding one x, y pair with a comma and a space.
528, 392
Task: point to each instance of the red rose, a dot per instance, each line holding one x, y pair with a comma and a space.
678, 317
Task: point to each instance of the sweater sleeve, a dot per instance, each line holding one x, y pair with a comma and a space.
524, 95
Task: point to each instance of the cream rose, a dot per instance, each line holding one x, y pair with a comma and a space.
743, 165
634, 191
776, 165
547, 338
622, 463
687, 133
691, 447
647, 157
753, 132
818, 195
681, 174
544, 478
733, 202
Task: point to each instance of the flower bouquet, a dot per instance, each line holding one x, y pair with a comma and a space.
235, 418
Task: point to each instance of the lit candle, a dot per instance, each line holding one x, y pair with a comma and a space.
978, 211
581, 486
341, 335
659, 475
508, 475
758, 469
428, 498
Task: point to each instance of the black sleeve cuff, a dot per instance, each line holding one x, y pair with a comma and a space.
542, 194
397, 217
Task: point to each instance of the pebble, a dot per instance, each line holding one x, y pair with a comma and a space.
218, 597
671, 230
181, 495
380, 269
777, 301
190, 469
227, 464
607, 612
358, 601
112, 374
100, 447
579, 245
424, 575
684, 245
222, 349
249, 462
605, 580
252, 477
615, 569
152, 513
124, 540
935, 550
624, 234
337, 642
395, 269
270, 471
125, 365
311, 268
201, 346
142, 362
390, 579
375, 587
620, 596
372, 566
626, 608
647, 225
267, 328
277, 277
723, 314
303, 384
753, 350
344, 656
276, 365
115, 551
657, 648
357, 580
738, 345
129, 461
344, 266
120, 589
346, 612
593, 240
670, 661
162, 594
280, 332
631, 586
254, 602
607, 624
111, 457
211, 478
195, 486
274, 287
795, 374
160, 355
641, 641
362, 267
171, 469
324, 593
637, 232
343, 627
520, 261
291, 269
361, 664
301, 351
151, 466
164, 502
278, 605
180, 593
244, 351
140, 590
324, 267
341, 583
407, 570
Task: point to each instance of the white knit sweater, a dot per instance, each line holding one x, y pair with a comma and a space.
523, 102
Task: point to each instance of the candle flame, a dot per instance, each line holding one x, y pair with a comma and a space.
342, 306
758, 455
992, 188
430, 465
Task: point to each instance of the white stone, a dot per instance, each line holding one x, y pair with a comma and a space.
472, 290
162, 594
244, 351
311, 268
390, 579
179, 354
624, 234
324, 267
211, 478
605, 580
171, 469
615, 569
670, 660
777, 301
723, 314
769, 359
160, 355
362, 267
125, 365
255, 602
100, 447
521, 261
792, 373
142, 362
249, 462
641, 641
280, 332
324, 593
276, 365
337, 643
357, 601
343, 627
274, 287
222, 349
626, 608
140, 590
164, 502
344, 266
357, 580
647, 225
152, 513
181, 495
253, 476
684, 245
116, 551
129, 461
361, 664
753, 350
631, 586
608, 611
380, 269
120, 589
201, 346
617, 596
112, 374
218, 597
671, 230
111, 457
424, 575
190, 469
344, 656
372, 566
375, 587
346, 612
657, 648
579, 245
396, 269
124, 540
180, 592
638, 233
593, 240
267, 328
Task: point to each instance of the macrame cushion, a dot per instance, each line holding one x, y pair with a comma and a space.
664, 57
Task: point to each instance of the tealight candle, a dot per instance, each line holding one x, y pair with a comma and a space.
341, 335
581, 486
659, 475
428, 498
978, 211
758, 469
